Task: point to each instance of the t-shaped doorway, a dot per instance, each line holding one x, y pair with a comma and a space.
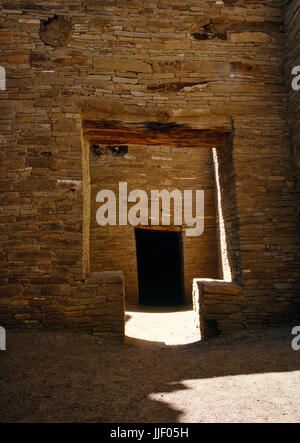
160, 267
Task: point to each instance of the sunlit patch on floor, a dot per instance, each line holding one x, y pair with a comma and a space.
263, 397
170, 325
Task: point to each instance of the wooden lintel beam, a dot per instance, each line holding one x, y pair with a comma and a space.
112, 133
171, 228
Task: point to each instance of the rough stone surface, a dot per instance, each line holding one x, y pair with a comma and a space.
56, 31
292, 58
218, 307
117, 50
143, 168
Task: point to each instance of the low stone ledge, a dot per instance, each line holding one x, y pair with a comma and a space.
219, 287
217, 306
96, 305
107, 319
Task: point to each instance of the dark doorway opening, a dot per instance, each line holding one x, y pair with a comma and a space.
160, 267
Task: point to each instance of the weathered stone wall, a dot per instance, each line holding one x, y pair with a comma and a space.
154, 168
292, 56
230, 267
218, 307
195, 62
96, 306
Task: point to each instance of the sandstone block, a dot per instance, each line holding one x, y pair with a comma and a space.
250, 37
114, 64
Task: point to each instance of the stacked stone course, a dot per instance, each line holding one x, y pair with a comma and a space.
292, 59
140, 58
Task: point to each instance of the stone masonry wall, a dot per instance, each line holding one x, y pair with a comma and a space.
225, 174
147, 168
218, 307
202, 62
292, 23
96, 306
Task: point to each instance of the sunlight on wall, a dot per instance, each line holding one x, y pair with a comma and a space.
227, 275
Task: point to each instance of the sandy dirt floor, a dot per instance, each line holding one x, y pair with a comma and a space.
161, 373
